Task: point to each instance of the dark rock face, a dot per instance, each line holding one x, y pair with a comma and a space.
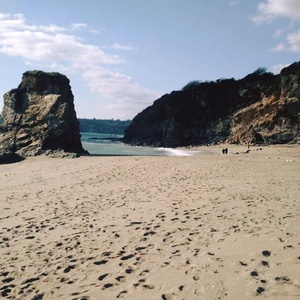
9, 157
260, 108
39, 117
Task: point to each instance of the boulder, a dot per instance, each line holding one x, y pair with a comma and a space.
39, 117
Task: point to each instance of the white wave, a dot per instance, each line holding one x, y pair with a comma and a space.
176, 152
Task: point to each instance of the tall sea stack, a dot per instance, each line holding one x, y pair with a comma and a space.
39, 117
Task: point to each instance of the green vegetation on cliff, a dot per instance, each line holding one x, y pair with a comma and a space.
103, 126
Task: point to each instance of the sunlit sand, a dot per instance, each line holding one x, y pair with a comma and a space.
168, 227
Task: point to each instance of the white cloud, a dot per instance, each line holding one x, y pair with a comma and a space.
50, 46
47, 44
14, 22
291, 43
279, 48
277, 68
270, 9
115, 85
51, 28
294, 41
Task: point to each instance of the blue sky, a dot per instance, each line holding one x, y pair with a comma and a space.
121, 55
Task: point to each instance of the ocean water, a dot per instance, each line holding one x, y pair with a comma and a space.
107, 144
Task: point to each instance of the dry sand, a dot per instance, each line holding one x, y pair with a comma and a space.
207, 226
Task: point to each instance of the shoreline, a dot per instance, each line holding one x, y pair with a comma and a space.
131, 150
209, 226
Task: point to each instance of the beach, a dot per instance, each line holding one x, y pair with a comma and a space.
206, 226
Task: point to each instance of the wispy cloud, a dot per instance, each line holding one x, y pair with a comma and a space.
233, 2
270, 10
79, 26
57, 48
85, 27
118, 46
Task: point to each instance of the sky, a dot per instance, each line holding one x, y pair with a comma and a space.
122, 55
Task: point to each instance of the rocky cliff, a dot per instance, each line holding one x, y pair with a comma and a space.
39, 117
260, 108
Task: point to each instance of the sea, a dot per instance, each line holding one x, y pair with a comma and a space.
110, 145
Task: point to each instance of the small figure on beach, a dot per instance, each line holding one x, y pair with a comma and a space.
225, 151
248, 150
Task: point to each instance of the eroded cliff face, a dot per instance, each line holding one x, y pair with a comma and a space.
273, 118
260, 108
39, 117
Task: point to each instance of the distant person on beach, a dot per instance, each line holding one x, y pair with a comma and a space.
225, 151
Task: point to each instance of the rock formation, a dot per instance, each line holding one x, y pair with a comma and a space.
39, 117
260, 108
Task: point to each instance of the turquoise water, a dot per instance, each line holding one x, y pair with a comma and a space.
106, 144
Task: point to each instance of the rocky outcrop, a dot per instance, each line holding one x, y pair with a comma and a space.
39, 117
260, 108
275, 117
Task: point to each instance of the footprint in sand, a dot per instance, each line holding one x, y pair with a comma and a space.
149, 233
120, 278
254, 274
166, 296
266, 253
282, 279
140, 248
128, 271
68, 269
8, 280
101, 277
101, 262
122, 294
148, 286
196, 278
127, 257
107, 286
144, 272
265, 263
260, 290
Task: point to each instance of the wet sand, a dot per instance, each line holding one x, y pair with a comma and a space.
209, 226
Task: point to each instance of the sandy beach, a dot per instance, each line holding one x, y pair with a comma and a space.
208, 226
